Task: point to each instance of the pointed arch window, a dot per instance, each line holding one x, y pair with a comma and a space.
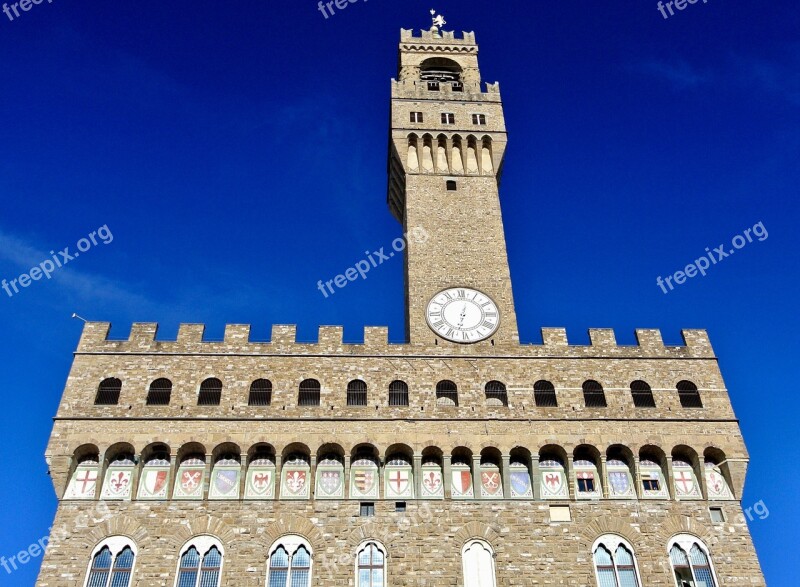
690, 562
200, 563
112, 563
615, 563
477, 559
290, 563
371, 565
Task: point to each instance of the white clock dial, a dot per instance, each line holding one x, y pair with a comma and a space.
461, 314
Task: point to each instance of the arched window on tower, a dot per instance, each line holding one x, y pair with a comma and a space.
108, 392
260, 393
496, 394
210, 392
398, 393
309, 393
357, 393
289, 563
111, 563
642, 395
593, 395
615, 563
691, 563
689, 395
544, 394
159, 392
200, 563
446, 393
477, 559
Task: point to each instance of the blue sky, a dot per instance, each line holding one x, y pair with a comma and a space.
237, 153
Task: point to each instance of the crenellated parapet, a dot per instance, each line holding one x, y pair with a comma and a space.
330, 340
437, 37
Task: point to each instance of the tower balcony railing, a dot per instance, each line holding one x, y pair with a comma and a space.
445, 89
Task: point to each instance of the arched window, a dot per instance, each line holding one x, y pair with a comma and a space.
200, 563
83, 484
477, 559
593, 395
689, 395
398, 393
371, 565
642, 395
615, 563
544, 394
357, 393
496, 394
260, 393
159, 392
587, 479
446, 393
111, 563
690, 562
652, 478
108, 392
210, 392
289, 563
309, 393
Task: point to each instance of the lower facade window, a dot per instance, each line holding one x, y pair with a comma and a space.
477, 558
614, 562
200, 563
112, 564
690, 562
371, 565
290, 563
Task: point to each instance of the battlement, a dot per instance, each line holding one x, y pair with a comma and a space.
330, 341
434, 35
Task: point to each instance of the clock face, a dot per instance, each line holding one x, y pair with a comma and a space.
461, 314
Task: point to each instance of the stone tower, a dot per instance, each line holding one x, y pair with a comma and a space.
459, 458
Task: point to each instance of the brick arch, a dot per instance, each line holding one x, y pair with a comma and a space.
200, 525
608, 525
480, 530
119, 525
676, 524
293, 524
390, 538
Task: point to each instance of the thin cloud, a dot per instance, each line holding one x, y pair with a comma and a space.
680, 74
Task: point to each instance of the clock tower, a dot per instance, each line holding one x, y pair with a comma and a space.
448, 139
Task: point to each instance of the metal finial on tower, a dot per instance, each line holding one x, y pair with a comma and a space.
438, 19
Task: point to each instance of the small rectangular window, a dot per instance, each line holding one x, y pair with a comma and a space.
416, 117
400, 506
451, 185
651, 485
586, 485
717, 516
367, 509
458, 87
448, 118
433, 86
479, 119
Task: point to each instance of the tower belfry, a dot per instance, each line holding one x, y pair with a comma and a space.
448, 139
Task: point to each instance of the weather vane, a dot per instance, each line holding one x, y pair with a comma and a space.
438, 20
